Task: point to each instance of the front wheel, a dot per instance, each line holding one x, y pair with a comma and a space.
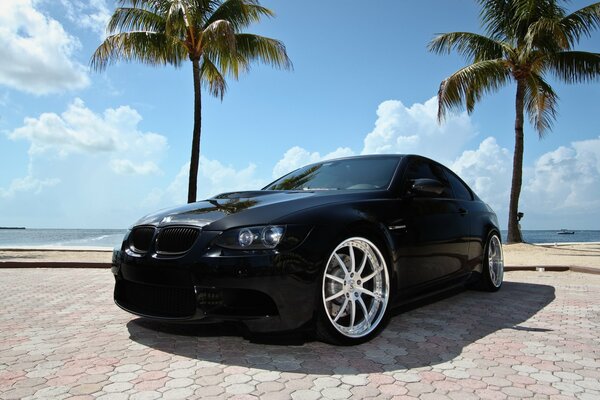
354, 293
493, 265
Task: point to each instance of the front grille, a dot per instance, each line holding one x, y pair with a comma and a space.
176, 240
141, 238
153, 300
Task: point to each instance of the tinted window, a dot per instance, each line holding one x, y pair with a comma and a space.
352, 174
419, 169
460, 190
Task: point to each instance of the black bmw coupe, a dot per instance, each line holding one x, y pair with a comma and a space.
330, 247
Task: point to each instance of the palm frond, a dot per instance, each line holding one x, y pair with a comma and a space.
529, 12
240, 13
582, 22
575, 66
134, 19
146, 47
470, 83
496, 17
218, 43
269, 51
470, 45
219, 34
212, 79
177, 19
548, 34
541, 103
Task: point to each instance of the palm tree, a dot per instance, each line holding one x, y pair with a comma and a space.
205, 32
526, 40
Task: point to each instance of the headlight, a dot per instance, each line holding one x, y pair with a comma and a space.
252, 238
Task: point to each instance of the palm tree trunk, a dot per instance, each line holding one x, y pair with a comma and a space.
514, 233
195, 159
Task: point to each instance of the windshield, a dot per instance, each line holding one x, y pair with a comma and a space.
348, 174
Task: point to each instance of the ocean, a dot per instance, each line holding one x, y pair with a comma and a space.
109, 238
101, 238
553, 237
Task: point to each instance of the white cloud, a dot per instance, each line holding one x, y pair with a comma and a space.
36, 51
93, 14
487, 171
88, 169
401, 129
81, 130
567, 179
27, 184
297, 157
128, 167
562, 187
213, 178
96, 152
110, 143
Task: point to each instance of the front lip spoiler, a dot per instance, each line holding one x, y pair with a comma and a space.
201, 318
196, 317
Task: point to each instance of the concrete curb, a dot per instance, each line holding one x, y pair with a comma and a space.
53, 264
554, 268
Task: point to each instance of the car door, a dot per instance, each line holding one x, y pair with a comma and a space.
433, 237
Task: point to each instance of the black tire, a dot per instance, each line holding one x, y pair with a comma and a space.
492, 264
365, 299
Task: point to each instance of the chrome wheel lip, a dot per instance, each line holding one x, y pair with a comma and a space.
352, 287
495, 261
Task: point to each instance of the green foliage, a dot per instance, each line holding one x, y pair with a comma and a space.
206, 32
160, 32
526, 40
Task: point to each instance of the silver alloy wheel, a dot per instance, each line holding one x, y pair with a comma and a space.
495, 261
355, 288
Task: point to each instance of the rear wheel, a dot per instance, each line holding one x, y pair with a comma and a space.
493, 265
354, 293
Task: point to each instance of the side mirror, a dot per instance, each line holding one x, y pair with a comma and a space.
427, 187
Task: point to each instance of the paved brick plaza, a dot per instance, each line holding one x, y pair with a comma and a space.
61, 336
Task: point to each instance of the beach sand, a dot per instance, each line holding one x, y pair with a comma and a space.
585, 255
548, 255
15, 258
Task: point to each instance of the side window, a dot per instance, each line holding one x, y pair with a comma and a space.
419, 169
461, 192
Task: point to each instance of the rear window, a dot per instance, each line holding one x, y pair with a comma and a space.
348, 174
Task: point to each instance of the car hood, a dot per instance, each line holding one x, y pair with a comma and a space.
230, 210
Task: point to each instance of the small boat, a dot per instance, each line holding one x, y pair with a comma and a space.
565, 232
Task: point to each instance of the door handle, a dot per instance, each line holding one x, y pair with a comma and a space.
463, 211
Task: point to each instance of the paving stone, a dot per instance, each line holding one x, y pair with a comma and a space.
517, 392
266, 376
567, 387
87, 388
240, 388
80, 346
306, 395
145, 395
406, 377
355, 380
336, 393
177, 394
266, 387
320, 383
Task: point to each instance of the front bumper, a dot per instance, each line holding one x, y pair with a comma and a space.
267, 291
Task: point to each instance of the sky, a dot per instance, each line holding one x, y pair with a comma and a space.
85, 149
